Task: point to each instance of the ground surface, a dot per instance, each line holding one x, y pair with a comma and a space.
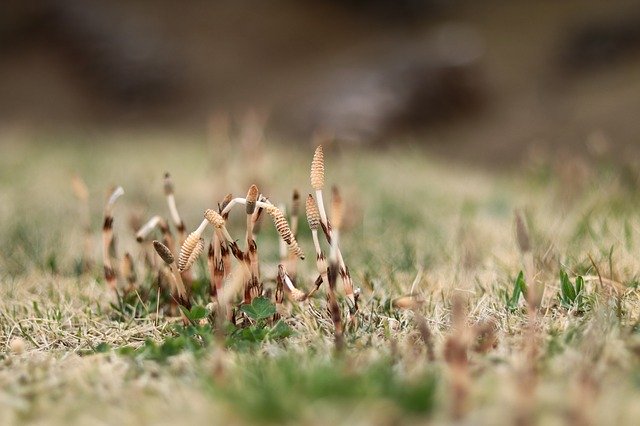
414, 223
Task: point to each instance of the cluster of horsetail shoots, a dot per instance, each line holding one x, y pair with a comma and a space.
178, 257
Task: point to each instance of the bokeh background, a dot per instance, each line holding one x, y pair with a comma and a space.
490, 82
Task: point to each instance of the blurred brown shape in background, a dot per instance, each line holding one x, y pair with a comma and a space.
481, 80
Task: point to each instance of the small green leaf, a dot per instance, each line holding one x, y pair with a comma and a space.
198, 312
520, 287
579, 284
280, 331
102, 348
259, 309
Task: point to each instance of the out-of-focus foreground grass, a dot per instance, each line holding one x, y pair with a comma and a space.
413, 223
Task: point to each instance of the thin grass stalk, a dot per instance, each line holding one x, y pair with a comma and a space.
107, 240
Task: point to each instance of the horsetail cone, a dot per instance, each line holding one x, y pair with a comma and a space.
214, 218
337, 208
313, 215
164, 252
195, 254
225, 202
317, 169
285, 231
189, 245
252, 198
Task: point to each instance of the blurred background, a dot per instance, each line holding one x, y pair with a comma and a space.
491, 82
